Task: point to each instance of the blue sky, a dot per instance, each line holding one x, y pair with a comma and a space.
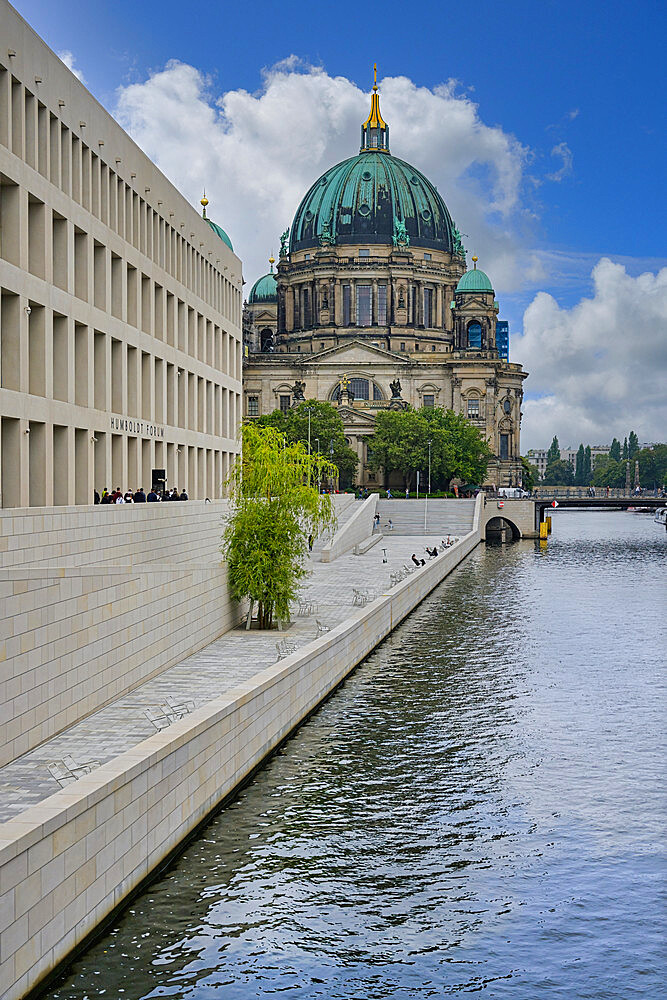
564, 125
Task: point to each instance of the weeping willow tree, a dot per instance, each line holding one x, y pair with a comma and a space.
276, 505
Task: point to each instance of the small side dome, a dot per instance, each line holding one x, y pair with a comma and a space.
475, 281
218, 230
265, 289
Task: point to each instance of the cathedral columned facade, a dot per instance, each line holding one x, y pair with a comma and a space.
372, 307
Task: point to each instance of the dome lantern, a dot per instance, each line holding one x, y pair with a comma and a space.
375, 131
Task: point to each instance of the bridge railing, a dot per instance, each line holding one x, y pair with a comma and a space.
597, 492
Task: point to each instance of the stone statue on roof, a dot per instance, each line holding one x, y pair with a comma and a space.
458, 247
327, 239
401, 237
297, 391
283, 243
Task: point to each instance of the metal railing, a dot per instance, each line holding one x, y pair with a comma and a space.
595, 493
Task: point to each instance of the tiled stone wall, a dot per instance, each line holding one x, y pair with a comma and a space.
66, 863
95, 601
356, 530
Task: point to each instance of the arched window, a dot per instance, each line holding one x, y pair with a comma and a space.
475, 335
361, 389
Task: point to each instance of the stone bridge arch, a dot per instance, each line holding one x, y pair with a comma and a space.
502, 529
519, 517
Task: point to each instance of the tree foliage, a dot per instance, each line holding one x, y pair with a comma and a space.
530, 474
579, 466
558, 473
633, 445
275, 505
653, 465
553, 454
615, 450
326, 427
401, 444
609, 472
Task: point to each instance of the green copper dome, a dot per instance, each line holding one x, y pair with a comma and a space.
265, 289
372, 198
219, 231
475, 281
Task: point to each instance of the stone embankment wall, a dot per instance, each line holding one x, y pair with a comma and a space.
67, 863
95, 601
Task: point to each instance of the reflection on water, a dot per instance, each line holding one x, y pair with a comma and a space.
477, 809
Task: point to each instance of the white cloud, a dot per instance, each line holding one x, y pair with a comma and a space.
598, 368
563, 151
257, 154
68, 58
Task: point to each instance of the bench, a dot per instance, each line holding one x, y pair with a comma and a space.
368, 543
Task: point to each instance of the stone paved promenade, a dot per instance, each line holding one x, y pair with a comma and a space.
233, 658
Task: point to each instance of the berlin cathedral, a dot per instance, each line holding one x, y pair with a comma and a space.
372, 307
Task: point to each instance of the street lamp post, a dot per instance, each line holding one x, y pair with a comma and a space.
429, 467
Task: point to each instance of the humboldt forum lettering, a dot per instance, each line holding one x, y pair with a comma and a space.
136, 427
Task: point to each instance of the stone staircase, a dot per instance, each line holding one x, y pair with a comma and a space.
443, 517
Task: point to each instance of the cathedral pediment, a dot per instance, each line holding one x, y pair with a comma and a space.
473, 305
354, 419
357, 352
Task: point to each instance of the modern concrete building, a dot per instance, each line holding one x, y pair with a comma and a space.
373, 308
120, 318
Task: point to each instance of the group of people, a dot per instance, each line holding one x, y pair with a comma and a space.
432, 552
139, 496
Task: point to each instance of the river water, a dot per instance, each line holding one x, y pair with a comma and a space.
478, 809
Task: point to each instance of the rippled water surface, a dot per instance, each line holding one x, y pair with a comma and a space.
478, 809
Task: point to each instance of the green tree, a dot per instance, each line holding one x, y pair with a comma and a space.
579, 472
608, 472
553, 454
624, 454
530, 474
653, 465
615, 450
588, 466
400, 444
326, 433
558, 473
633, 445
274, 507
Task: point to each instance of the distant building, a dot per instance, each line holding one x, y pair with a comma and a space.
597, 450
120, 315
538, 458
503, 339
